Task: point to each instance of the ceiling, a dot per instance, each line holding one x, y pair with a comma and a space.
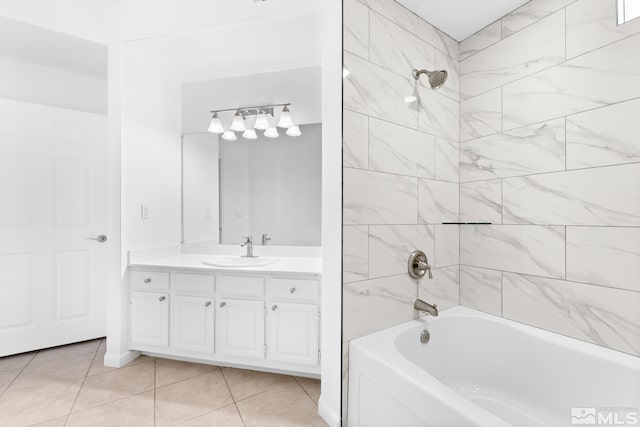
461, 18
37, 45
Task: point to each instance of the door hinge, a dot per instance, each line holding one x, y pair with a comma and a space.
318, 356
265, 351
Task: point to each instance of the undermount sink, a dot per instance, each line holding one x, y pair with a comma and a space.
239, 262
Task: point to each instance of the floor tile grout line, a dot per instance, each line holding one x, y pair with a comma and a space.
155, 376
305, 390
19, 373
84, 379
232, 396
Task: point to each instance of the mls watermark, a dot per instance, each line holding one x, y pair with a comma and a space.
605, 416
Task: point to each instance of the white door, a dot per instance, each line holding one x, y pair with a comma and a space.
149, 319
192, 324
53, 197
293, 333
240, 328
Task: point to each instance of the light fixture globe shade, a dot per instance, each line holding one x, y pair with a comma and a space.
238, 123
216, 125
229, 136
271, 132
250, 134
286, 121
294, 131
261, 122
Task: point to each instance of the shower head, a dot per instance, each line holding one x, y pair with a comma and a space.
436, 78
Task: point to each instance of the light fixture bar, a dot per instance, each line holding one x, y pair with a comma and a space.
267, 109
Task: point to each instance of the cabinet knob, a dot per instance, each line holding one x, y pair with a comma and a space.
292, 290
222, 304
274, 307
207, 304
162, 299
147, 280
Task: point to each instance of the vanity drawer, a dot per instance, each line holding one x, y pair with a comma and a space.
294, 289
149, 280
193, 283
241, 286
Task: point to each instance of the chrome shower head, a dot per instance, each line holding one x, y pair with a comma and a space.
436, 78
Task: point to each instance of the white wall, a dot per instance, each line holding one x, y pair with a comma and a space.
273, 186
200, 188
331, 320
24, 81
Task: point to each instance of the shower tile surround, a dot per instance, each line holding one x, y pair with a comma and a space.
531, 141
401, 168
551, 156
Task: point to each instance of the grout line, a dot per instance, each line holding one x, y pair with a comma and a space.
19, 373
501, 293
539, 173
565, 144
155, 376
232, 396
556, 65
305, 391
565, 252
552, 278
66, 420
403, 176
502, 37
415, 129
496, 224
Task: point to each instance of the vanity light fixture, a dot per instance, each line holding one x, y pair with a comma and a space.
249, 119
216, 124
286, 121
250, 134
238, 122
229, 135
294, 131
271, 132
261, 121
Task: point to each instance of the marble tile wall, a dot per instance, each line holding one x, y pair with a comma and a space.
550, 155
401, 168
401, 163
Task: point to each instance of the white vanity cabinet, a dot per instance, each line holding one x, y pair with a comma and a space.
256, 320
150, 319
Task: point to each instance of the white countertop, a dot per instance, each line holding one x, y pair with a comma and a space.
194, 262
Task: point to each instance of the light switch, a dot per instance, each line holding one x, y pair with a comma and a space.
144, 212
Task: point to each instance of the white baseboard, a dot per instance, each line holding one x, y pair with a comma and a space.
119, 360
328, 414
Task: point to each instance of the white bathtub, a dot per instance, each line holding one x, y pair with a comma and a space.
481, 370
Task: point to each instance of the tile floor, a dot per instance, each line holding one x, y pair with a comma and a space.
69, 386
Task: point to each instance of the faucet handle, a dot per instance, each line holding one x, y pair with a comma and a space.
248, 240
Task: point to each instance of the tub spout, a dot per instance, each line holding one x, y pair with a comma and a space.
420, 305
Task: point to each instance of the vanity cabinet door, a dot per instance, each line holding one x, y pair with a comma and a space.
240, 328
149, 319
293, 334
192, 324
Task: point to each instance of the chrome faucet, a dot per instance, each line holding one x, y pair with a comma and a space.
420, 305
249, 244
265, 239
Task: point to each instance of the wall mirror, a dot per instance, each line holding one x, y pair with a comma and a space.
628, 10
251, 181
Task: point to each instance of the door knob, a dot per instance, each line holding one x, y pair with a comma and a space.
101, 238
162, 299
222, 304
207, 304
274, 307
